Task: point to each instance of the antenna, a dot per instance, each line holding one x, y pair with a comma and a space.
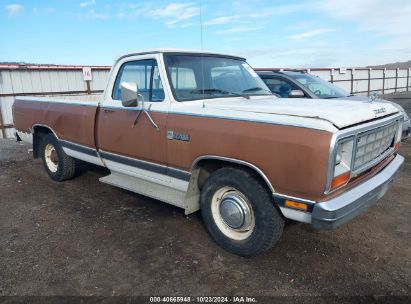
201, 23
202, 55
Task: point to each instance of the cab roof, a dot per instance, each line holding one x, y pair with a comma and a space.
177, 51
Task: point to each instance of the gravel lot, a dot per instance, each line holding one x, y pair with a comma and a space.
82, 237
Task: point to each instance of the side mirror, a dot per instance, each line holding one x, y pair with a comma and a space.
296, 94
129, 94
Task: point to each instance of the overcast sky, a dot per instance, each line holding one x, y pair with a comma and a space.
269, 33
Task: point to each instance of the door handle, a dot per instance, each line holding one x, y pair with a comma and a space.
108, 110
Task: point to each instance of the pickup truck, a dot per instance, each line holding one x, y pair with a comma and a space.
201, 131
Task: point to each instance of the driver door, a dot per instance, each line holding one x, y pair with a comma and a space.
131, 145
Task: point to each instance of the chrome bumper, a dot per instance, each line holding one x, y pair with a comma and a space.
341, 209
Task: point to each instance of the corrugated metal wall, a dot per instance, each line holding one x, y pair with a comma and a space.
45, 81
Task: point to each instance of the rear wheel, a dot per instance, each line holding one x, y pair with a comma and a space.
239, 213
59, 166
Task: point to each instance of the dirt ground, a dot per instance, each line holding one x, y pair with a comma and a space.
82, 237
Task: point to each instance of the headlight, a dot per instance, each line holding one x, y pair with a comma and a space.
399, 131
338, 158
398, 137
342, 163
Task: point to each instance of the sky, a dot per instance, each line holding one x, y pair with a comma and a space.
269, 33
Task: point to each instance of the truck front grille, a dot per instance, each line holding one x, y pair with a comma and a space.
373, 144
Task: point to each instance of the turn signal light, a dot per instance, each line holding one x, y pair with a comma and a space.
397, 146
340, 180
296, 205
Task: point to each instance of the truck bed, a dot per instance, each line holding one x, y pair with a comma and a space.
71, 117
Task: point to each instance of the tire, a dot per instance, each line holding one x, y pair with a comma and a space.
229, 189
59, 166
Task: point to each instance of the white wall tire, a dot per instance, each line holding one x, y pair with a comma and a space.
58, 165
258, 224
243, 222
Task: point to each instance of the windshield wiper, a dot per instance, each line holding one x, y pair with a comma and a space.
256, 89
211, 91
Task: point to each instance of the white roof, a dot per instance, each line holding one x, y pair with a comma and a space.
186, 51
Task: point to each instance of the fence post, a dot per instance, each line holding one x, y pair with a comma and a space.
352, 80
396, 79
88, 87
369, 81
3, 131
332, 75
383, 80
87, 77
408, 79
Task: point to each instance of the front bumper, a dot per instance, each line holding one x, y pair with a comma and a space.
341, 209
337, 211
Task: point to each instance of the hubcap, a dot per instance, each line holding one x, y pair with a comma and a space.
232, 213
51, 158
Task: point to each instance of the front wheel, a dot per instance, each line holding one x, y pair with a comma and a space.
239, 212
59, 166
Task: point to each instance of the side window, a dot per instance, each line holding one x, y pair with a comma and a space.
145, 73
279, 86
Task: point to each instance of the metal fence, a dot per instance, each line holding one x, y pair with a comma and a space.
22, 80
68, 81
366, 81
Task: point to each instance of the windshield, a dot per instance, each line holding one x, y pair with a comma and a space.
197, 77
319, 87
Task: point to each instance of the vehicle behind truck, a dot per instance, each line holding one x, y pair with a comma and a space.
300, 84
201, 131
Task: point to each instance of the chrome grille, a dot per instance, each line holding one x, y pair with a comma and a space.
373, 144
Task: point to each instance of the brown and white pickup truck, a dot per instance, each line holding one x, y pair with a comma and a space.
201, 131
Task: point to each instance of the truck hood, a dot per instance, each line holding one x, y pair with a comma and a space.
340, 112
364, 99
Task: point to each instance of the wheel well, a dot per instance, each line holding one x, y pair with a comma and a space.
207, 166
38, 134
